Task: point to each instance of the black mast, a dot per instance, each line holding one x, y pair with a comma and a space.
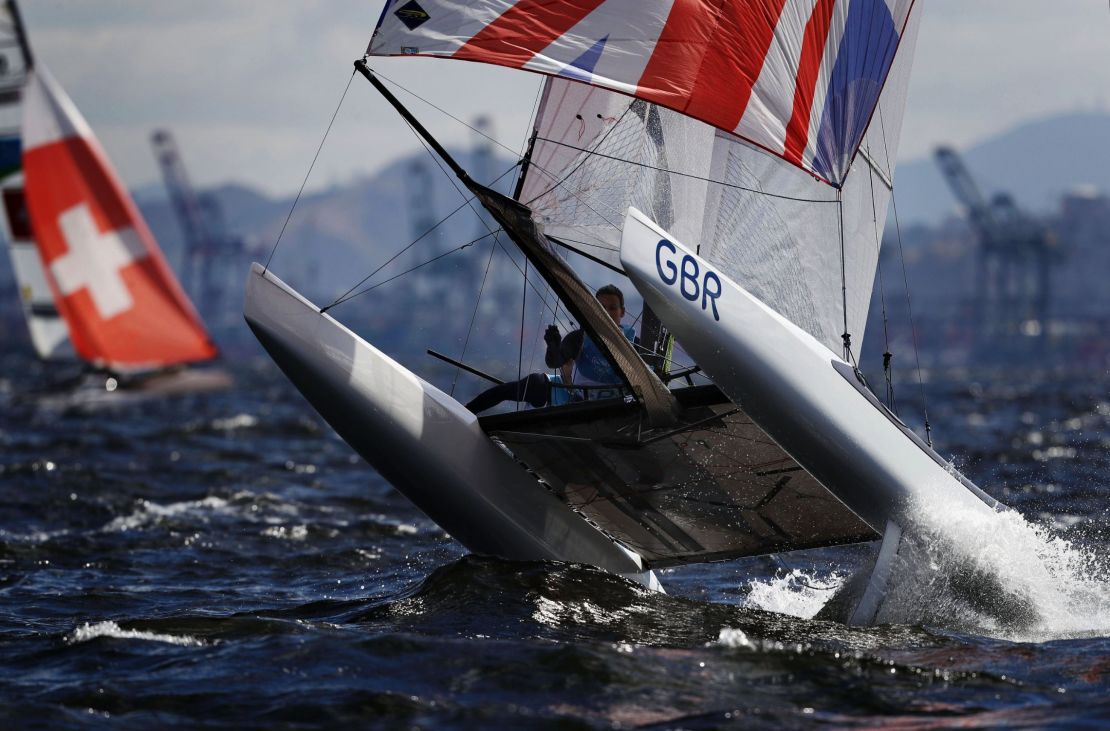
21, 34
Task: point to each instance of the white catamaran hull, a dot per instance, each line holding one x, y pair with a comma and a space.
423, 441
96, 392
804, 396
790, 384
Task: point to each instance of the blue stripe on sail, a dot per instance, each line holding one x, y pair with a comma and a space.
582, 68
865, 55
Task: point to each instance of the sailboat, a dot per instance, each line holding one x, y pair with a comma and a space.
94, 284
734, 160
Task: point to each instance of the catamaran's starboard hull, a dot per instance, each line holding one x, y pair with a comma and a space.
421, 440
805, 397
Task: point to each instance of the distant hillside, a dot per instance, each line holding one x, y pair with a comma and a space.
1035, 162
338, 236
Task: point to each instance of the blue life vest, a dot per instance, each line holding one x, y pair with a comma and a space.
592, 368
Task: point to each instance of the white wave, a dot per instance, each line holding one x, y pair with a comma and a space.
231, 423
735, 638
569, 613
87, 632
798, 593
287, 532
148, 513
996, 574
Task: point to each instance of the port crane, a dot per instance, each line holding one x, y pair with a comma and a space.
1013, 261
210, 252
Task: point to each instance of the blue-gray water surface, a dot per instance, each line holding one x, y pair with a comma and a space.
225, 561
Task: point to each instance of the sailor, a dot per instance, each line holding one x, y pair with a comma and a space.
579, 361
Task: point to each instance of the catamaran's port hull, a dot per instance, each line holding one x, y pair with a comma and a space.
421, 440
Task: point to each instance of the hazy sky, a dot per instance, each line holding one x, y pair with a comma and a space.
248, 86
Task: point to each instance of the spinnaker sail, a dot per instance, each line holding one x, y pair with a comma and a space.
799, 78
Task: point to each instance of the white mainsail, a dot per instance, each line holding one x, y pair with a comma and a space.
765, 223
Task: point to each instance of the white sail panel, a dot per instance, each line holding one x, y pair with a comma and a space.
597, 152
768, 225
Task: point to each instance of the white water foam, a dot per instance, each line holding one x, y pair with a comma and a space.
232, 423
798, 593
87, 632
148, 513
996, 574
985, 573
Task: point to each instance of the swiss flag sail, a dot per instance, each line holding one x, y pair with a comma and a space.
799, 78
124, 307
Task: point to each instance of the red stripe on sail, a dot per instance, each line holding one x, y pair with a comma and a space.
709, 56
524, 30
809, 66
160, 326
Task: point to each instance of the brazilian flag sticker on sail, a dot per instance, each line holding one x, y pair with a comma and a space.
412, 15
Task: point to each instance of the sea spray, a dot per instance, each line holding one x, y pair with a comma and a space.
87, 632
995, 574
797, 593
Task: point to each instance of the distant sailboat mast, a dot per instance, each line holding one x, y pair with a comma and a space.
48, 331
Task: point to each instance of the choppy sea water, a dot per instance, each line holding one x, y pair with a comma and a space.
225, 561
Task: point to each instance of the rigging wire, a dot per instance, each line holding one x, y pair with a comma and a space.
887, 355
501, 145
845, 336
721, 183
410, 270
523, 312
343, 297
474, 315
447, 113
529, 140
909, 305
307, 174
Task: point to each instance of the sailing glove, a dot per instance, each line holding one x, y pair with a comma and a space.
551, 336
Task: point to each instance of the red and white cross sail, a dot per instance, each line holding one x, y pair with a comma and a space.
122, 303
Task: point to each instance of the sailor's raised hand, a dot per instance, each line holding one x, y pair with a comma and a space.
551, 335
